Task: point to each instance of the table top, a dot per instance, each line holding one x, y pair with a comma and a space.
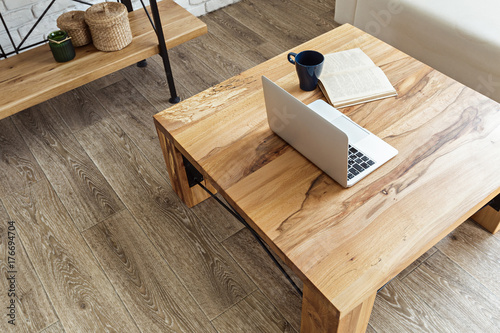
347, 243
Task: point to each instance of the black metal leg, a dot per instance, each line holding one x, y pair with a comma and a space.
142, 63
128, 4
174, 98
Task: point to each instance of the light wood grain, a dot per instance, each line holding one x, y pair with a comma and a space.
187, 245
259, 316
21, 75
83, 190
154, 296
319, 315
190, 195
440, 284
33, 310
86, 300
347, 243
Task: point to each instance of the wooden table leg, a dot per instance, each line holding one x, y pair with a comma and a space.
319, 315
489, 218
178, 178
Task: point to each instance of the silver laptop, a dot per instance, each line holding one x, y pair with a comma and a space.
337, 145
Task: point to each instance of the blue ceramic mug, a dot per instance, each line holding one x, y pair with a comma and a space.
308, 65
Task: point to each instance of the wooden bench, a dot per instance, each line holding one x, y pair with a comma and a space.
33, 76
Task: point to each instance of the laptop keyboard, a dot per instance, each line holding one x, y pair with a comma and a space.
357, 162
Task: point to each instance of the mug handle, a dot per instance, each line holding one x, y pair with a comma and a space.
290, 55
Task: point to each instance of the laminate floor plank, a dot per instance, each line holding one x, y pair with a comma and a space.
194, 81
217, 219
456, 295
151, 81
323, 8
206, 269
155, 297
78, 108
267, 51
476, 251
83, 190
233, 33
105, 81
32, 310
18, 166
416, 263
398, 309
291, 20
270, 280
134, 114
81, 295
221, 59
253, 314
254, 18
54, 328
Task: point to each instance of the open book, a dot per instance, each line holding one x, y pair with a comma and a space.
350, 77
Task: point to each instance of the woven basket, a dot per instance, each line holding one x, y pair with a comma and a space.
109, 26
74, 24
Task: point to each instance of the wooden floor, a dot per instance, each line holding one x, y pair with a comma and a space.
104, 244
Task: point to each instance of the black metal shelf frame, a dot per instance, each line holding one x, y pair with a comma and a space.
155, 23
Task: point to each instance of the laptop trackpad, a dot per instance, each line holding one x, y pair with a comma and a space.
354, 131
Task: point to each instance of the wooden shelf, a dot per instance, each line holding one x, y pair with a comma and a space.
34, 76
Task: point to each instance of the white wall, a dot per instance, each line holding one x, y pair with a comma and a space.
20, 15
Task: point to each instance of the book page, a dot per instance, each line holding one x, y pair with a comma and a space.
356, 87
346, 61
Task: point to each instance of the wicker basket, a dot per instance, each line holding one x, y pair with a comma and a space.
74, 24
109, 26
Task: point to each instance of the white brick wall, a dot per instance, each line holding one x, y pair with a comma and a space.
20, 15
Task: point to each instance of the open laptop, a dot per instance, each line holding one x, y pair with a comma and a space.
337, 145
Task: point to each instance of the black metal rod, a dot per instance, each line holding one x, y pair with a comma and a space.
2, 54
147, 14
256, 235
85, 3
31, 45
8, 34
174, 98
36, 23
24, 48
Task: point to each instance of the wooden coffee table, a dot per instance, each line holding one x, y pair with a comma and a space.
343, 243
